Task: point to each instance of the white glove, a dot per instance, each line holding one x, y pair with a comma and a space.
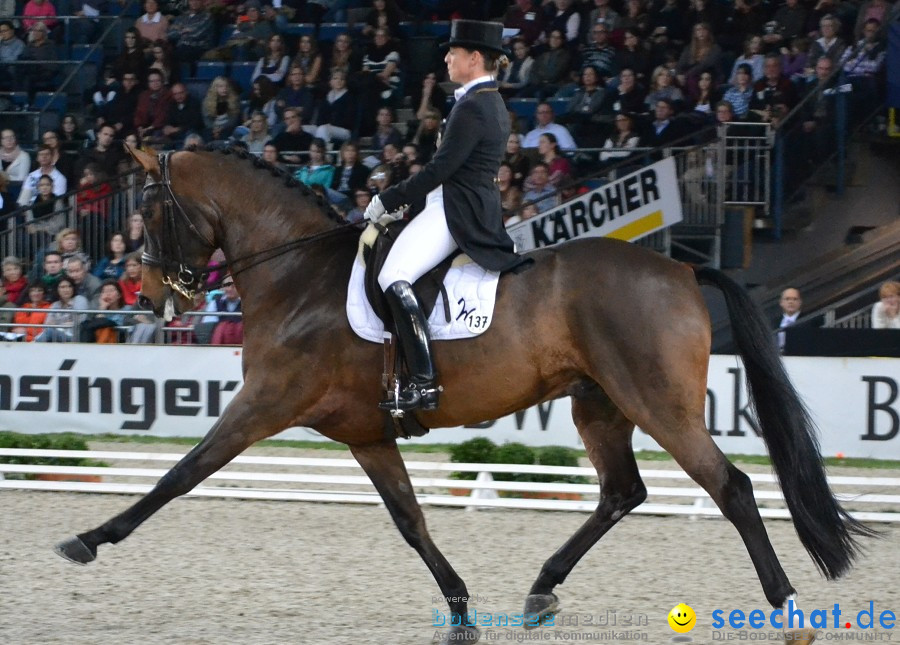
374, 210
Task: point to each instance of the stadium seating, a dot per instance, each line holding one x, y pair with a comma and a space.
437, 29
88, 53
50, 101
300, 29
560, 106
208, 70
523, 108
329, 31
18, 99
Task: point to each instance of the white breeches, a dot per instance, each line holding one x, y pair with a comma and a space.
422, 245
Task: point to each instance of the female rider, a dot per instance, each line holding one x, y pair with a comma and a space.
462, 202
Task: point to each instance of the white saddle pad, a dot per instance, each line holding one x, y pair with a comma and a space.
471, 291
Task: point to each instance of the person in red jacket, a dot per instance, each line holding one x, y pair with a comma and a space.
152, 107
131, 281
94, 189
93, 204
14, 281
38, 302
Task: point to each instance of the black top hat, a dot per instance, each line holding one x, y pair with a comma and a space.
475, 34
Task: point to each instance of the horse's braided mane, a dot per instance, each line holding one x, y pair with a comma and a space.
289, 180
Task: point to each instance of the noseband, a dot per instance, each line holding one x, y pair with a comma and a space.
189, 279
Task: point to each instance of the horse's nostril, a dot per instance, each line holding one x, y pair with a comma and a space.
145, 302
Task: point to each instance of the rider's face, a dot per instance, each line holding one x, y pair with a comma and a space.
459, 64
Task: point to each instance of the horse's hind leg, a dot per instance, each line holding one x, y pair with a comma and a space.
385, 467
606, 434
732, 491
242, 424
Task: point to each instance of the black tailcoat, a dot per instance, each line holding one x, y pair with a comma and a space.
466, 164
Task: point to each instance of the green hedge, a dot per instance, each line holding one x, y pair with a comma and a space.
485, 451
63, 441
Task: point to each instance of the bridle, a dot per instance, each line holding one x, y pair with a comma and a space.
189, 279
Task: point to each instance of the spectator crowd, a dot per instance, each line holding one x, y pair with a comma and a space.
353, 107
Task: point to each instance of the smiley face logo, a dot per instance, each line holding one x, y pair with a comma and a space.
682, 618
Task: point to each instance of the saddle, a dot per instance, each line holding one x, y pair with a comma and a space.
375, 249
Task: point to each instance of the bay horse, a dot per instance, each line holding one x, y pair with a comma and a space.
620, 329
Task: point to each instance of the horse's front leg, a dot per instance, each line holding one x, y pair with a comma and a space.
385, 467
246, 420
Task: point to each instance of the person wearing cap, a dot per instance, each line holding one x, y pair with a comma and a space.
462, 201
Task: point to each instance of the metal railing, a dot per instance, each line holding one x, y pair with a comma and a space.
726, 169
852, 312
182, 332
748, 158
28, 237
729, 169
861, 319
72, 330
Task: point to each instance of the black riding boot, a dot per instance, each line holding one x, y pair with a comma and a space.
412, 333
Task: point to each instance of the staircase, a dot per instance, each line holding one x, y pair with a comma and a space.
833, 247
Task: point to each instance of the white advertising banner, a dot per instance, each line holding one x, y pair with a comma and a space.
638, 204
180, 391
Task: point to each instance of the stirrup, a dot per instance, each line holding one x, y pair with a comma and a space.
414, 396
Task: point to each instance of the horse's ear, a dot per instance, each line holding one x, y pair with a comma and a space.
149, 162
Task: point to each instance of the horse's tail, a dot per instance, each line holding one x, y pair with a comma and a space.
825, 529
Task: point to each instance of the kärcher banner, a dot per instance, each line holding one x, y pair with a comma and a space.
638, 204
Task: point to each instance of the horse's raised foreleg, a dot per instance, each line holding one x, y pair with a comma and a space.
385, 467
606, 434
241, 425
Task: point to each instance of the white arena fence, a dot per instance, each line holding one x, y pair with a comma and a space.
670, 492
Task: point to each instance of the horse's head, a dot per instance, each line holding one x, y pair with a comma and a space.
179, 235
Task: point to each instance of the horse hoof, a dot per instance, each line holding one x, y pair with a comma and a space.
539, 607
74, 550
800, 636
460, 634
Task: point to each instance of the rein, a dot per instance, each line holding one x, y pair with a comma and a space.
189, 279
